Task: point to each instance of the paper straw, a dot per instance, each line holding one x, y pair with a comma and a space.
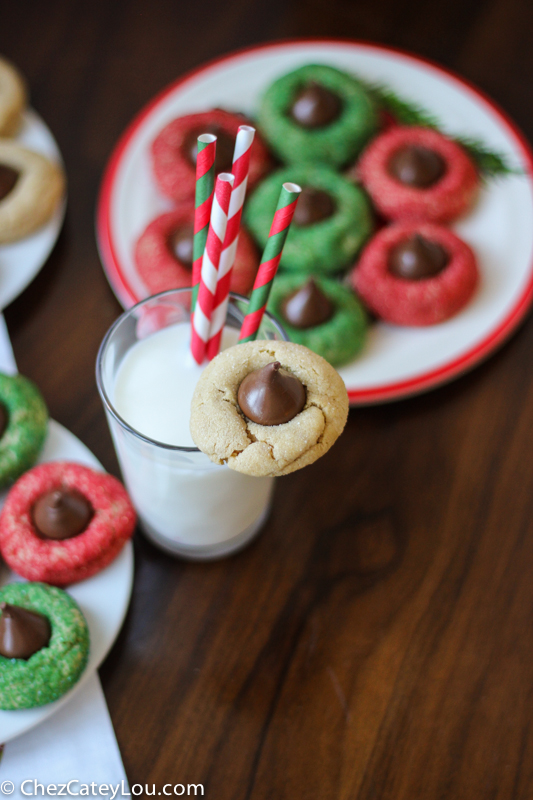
269, 263
205, 184
201, 319
241, 164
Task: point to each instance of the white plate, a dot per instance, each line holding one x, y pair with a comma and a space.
396, 361
103, 598
21, 261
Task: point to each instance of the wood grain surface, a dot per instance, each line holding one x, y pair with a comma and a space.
376, 642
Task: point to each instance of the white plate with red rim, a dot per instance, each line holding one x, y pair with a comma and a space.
396, 361
21, 261
103, 599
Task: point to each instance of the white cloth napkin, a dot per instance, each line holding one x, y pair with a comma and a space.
7, 358
76, 743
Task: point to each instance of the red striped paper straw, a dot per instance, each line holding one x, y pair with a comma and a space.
269, 263
201, 320
241, 164
205, 184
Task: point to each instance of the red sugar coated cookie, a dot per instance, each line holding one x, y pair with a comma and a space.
160, 269
71, 560
415, 302
448, 198
174, 172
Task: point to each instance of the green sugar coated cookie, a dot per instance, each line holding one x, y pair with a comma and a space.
336, 143
340, 338
324, 247
53, 670
27, 418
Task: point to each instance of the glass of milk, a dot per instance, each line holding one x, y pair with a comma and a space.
146, 375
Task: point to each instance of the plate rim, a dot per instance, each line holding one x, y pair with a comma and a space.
427, 380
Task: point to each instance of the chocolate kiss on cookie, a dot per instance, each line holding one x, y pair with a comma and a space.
8, 179
417, 258
181, 244
271, 395
315, 106
224, 148
307, 307
416, 166
22, 632
61, 514
314, 205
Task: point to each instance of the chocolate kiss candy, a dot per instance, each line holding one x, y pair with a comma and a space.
181, 245
61, 514
315, 106
4, 419
417, 258
417, 166
313, 206
22, 632
307, 307
271, 395
224, 149
8, 179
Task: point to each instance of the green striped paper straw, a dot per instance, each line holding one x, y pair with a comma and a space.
270, 261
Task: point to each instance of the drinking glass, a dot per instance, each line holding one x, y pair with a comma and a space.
187, 505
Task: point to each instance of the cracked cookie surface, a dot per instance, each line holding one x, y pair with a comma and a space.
222, 432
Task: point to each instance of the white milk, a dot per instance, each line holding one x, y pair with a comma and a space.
155, 383
185, 503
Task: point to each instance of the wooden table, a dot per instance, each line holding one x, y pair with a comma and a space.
377, 639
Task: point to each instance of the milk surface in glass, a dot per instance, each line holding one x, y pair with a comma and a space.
186, 504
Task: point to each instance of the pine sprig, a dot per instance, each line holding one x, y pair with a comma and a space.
404, 111
490, 163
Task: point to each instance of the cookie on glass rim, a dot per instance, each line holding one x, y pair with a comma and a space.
268, 408
164, 254
63, 522
414, 173
416, 274
174, 152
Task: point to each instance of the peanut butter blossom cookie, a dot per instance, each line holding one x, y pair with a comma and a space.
31, 188
12, 98
317, 114
44, 645
23, 426
416, 274
321, 314
268, 408
414, 173
63, 522
331, 221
